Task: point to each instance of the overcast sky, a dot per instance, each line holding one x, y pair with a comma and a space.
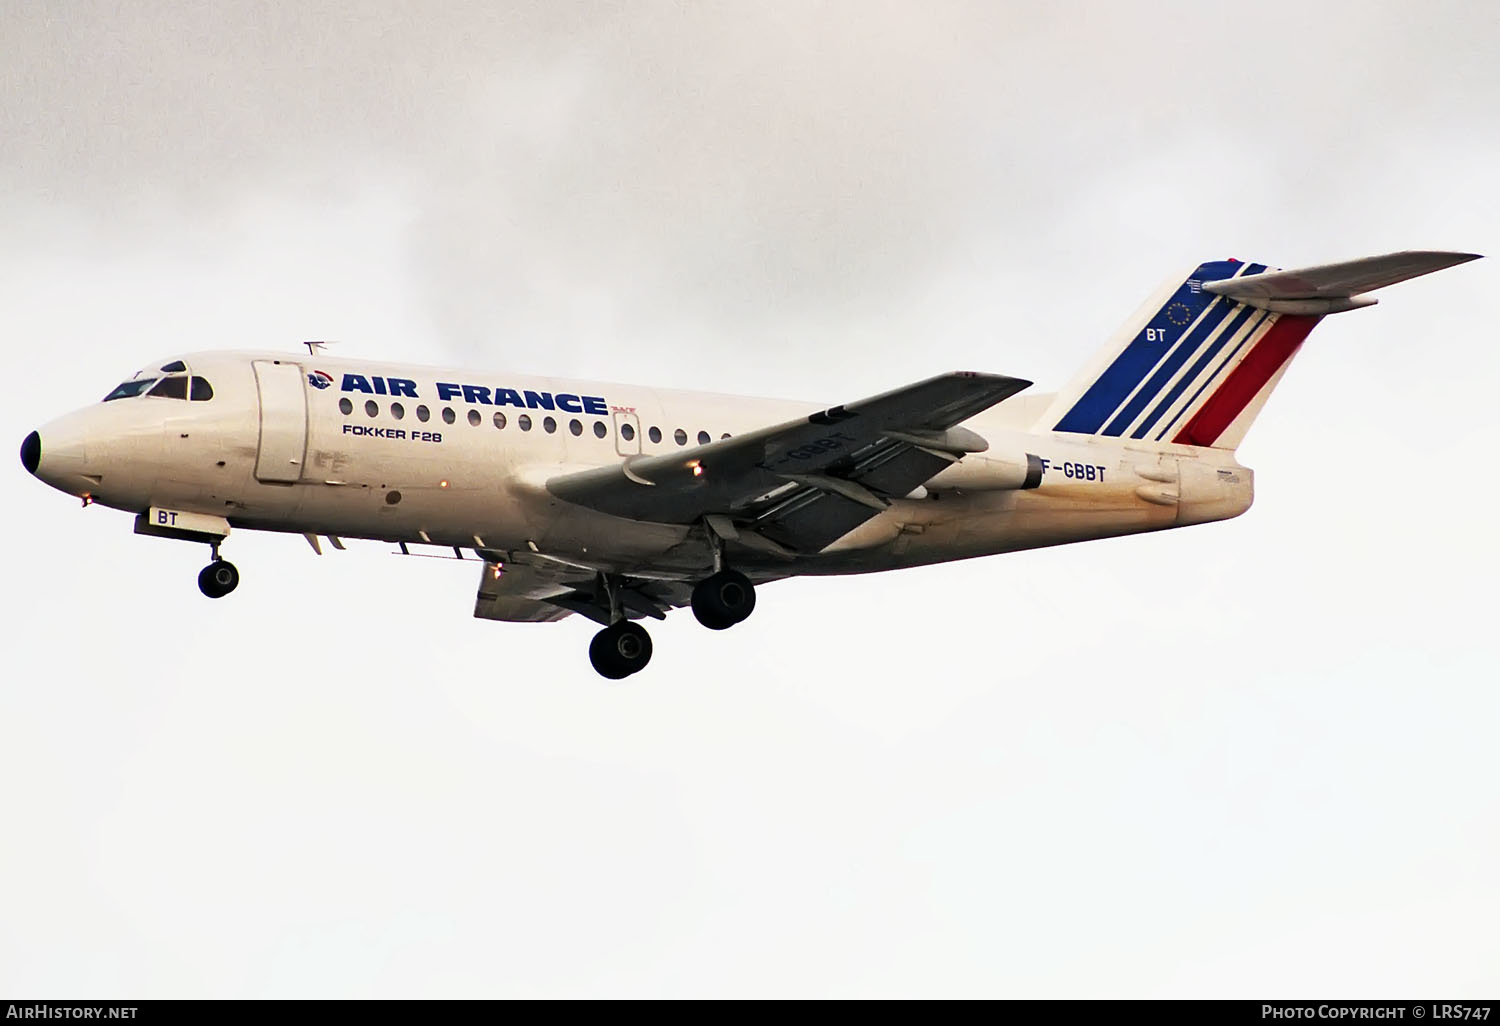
1242, 760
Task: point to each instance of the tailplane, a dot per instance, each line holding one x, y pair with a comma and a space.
1197, 362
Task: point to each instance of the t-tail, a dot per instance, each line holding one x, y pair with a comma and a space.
1197, 362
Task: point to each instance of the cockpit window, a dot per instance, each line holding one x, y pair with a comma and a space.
202, 390
130, 389
171, 388
175, 367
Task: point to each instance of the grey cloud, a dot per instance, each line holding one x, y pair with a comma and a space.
600, 172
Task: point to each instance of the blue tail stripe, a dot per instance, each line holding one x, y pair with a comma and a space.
1243, 314
1190, 344
1266, 319
1130, 368
1106, 394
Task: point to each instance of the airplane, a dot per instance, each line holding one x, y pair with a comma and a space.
621, 502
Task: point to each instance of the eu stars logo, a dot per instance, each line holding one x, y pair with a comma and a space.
1179, 314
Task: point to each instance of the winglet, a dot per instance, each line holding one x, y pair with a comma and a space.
1333, 288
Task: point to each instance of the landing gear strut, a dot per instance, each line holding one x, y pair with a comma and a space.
726, 597
723, 600
623, 647
219, 578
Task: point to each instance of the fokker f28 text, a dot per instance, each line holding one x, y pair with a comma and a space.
619, 502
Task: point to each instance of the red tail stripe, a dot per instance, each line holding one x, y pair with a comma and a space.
1245, 381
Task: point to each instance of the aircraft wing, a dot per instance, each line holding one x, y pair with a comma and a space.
519, 593
808, 482
545, 591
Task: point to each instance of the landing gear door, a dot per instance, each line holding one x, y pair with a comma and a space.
627, 433
283, 421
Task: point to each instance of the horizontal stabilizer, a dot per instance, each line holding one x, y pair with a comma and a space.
1331, 288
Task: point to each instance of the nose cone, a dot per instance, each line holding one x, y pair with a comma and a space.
31, 452
62, 462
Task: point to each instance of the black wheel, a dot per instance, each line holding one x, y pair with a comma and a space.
218, 579
723, 600
621, 650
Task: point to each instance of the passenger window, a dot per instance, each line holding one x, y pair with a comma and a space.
129, 389
398, 411
679, 436
202, 391
724, 435
549, 425
704, 438
599, 429
654, 434
627, 432
499, 421
575, 427
474, 418
345, 406
371, 409
422, 414
171, 388
524, 422
448, 415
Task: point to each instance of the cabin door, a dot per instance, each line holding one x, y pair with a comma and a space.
283, 421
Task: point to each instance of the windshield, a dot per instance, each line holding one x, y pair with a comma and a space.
171, 388
129, 389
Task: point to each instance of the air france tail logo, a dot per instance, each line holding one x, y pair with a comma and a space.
320, 379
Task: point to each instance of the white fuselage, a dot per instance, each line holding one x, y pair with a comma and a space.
455, 478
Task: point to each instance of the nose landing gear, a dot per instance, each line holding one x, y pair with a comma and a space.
219, 578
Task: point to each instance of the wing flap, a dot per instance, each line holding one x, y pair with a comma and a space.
541, 590
519, 593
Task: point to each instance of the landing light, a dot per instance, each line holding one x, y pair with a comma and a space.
697, 468
87, 500
442, 484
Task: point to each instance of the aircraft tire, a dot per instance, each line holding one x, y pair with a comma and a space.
218, 579
620, 650
723, 600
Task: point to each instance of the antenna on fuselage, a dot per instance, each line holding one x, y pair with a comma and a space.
316, 347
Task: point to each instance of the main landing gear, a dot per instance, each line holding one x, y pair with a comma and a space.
620, 649
723, 600
624, 647
219, 578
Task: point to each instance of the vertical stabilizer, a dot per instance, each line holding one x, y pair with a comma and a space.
1197, 362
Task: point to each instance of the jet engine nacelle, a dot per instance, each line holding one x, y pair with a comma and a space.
990, 472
